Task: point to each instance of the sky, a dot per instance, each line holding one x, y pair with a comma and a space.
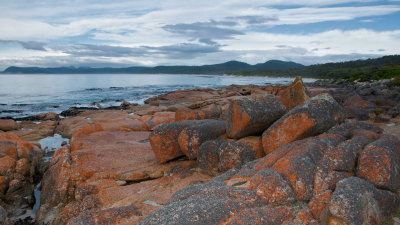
120, 33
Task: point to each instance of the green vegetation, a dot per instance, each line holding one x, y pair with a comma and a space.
371, 69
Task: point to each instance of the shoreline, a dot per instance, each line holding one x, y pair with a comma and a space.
107, 182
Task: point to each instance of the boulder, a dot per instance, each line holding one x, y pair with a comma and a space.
358, 202
272, 187
234, 154
251, 115
379, 163
164, 140
313, 117
319, 206
207, 156
19, 161
34, 131
294, 94
152, 121
194, 135
209, 112
255, 143
358, 108
7, 125
338, 163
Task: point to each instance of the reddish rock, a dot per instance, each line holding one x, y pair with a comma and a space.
248, 116
294, 94
272, 187
7, 125
7, 166
124, 125
194, 135
355, 201
313, 117
152, 121
298, 165
319, 206
164, 140
305, 217
379, 163
23, 166
255, 143
3, 184
104, 173
209, 112
34, 131
336, 221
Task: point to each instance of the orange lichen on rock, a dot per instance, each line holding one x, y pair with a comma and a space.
294, 94
319, 206
285, 131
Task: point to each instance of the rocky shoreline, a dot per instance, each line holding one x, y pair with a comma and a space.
320, 153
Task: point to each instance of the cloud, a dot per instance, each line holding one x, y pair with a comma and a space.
182, 50
205, 31
30, 45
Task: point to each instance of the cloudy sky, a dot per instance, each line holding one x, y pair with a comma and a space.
119, 33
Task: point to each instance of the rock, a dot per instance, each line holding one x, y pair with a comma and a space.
249, 116
272, 187
109, 176
122, 119
203, 204
19, 161
262, 215
379, 163
358, 202
34, 131
209, 112
7, 125
164, 140
255, 143
319, 206
294, 94
338, 163
152, 121
3, 215
234, 154
7, 166
358, 108
315, 116
194, 135
41, 117
207, 157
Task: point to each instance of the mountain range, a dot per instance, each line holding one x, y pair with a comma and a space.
230, 67
369, 69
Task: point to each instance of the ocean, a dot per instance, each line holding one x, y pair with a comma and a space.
26, 95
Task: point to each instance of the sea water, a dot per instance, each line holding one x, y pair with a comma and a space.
25, 95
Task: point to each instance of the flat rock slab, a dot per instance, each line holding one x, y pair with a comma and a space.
110, 177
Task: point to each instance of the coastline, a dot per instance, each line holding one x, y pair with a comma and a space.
96, 183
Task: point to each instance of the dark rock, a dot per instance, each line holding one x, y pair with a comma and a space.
358, 202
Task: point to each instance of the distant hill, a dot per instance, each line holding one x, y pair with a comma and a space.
231, 67
379, 68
